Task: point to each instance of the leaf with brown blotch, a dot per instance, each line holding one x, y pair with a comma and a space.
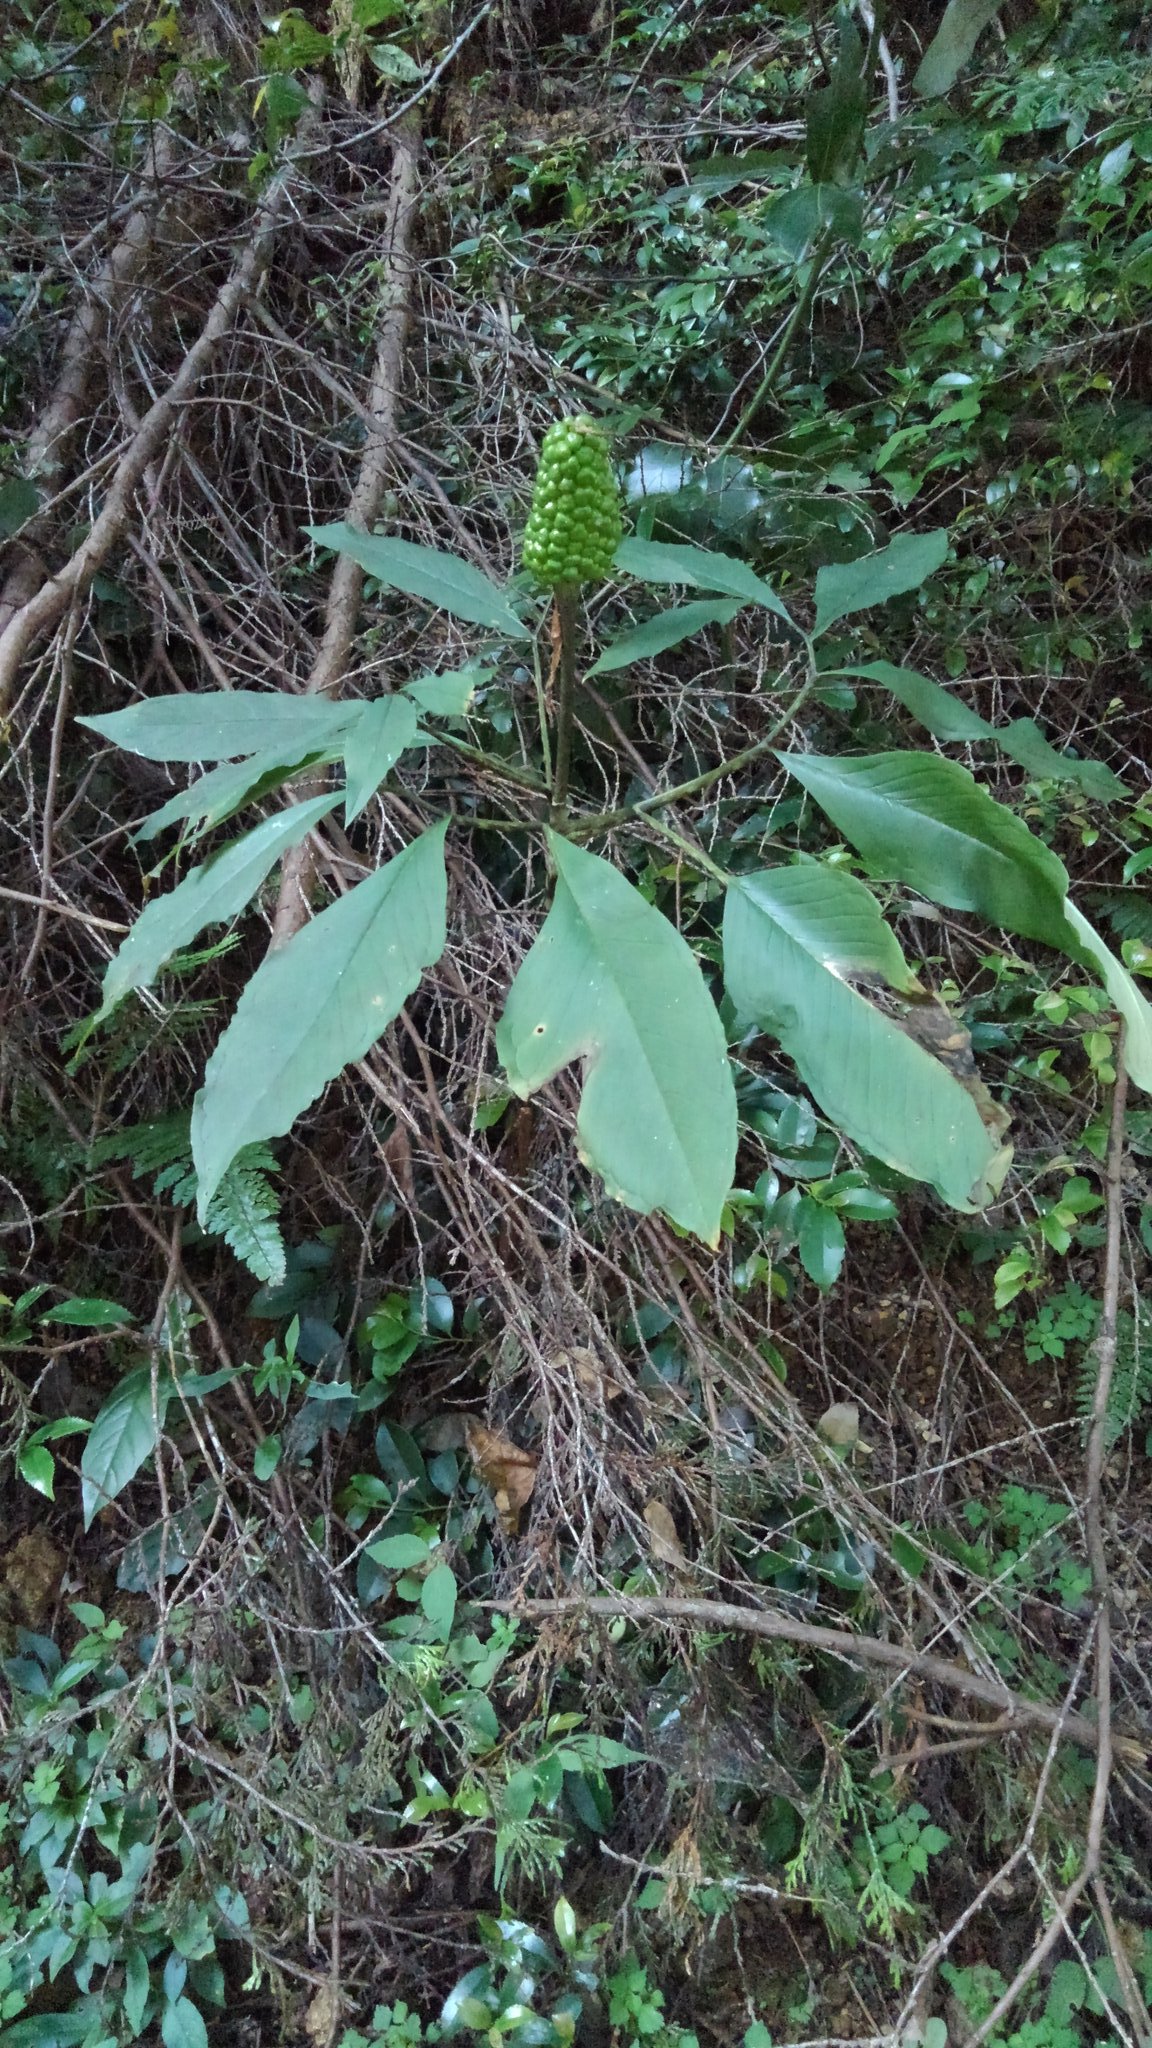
508, 1472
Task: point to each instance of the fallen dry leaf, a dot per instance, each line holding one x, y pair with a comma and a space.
323, 2016
588, 1373
664, 1542
508, 1472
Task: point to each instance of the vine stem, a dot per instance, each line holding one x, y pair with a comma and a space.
820, 255
567, 601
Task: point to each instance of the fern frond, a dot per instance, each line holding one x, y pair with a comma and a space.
1131, 1390
243, 1212
160, 1142
245, 1207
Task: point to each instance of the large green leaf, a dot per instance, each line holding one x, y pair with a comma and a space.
925, 821
1129, 1000
792, 939
947, 718
655, 561
373, 744
217, 725
611, 982
212, 894
437, 578
956, 38
124, 1434
318, 1003
909, 560
666, 630
835, 113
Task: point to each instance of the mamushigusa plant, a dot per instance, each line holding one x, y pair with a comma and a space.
808, 957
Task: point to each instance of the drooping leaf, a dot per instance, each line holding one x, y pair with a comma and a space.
1131, 1003
219, 792
820, 1241
908, 561
925, 821
794, 940
835, 113
124, 1434
798, 218
212, 894
654, 561
947, 718
956, 38
666, 630
217, 725
439, 579
609, 980
438, 1599
318, 1003
373, 744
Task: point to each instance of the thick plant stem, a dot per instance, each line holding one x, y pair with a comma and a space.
567, 613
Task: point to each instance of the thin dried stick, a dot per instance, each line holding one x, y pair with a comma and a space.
756, 1621
347, 582
41, 612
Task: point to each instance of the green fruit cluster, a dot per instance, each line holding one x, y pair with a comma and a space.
573, 529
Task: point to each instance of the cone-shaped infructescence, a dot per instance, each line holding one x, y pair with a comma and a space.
573, 529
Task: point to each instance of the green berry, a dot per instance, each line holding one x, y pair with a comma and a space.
573, 528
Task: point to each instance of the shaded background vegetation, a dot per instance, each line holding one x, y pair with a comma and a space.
258, 1781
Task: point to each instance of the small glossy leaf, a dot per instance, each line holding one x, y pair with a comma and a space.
124, 1434
212, 894
794, 939
399, 1553
947, 718
318, 1003
654, 561
217, 725
437, 578
610, 981
449, 695
373, 744
921, 820
37, 1467
955, 40
136, 1985
266, 1457
181, 2025
844, 587
821, 1242
438, 1599
89, 1312
666, 630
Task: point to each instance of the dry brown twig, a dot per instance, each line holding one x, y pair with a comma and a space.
347, 582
